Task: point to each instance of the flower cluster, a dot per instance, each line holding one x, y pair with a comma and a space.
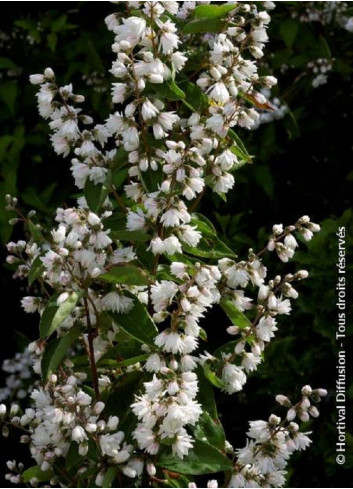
120, 327
63, 413
326, 13
320, 68
169, 405
273, 299
270, 443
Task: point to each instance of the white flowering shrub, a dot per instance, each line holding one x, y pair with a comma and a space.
124, 394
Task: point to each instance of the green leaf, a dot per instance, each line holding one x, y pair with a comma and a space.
206, 222
137, 322
201, 26
210, 430
8, 94
54, 315
237, 317
205, 395
116, 222
109, 477
120, 160
127, 347
124, 363
202, 459
52, 40
36, 270
36, 472
56, 350
239, 149
131, 236
35, 232
7, 64
123, 393
126, 274
209, 246
169, 90
228, 348
212, 376
288, 30
213, 11
323, 48
195, 98
73, 458
96, 194
264, 179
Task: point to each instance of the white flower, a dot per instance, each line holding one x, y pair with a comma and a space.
233, 377
30, 304
189, 235
149, 111
172, 245
146, 439
219, 93
162, 294
131, 31
78, 434
117, 303
168, 40
182, 444
110, 444
131, 139
135, 220
178, 60
36, 79
118, 92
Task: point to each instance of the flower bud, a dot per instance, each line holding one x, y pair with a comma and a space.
98, 407
151, 469
306, 390
49, 73
283, 400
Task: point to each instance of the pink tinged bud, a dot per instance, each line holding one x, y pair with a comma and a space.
239, 348
151, 470
36, 79
304, 416
305, 403
320, 392
233, 330
315, 228
306, 390
91, 427
83, 449
62, 298
272, 302
291, 414
304, 219
302, 274
283, 400
173, 388
313, 411
98, 407
270, 81
129, 472
271, 245
14, 410
45, 466
49, 73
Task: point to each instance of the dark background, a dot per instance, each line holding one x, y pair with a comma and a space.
302, 165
